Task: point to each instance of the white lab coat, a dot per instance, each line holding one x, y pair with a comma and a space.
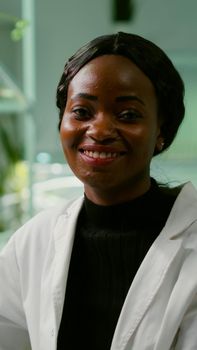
159, 313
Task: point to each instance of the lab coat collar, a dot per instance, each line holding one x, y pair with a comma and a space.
183, 213
156, 263
155, 266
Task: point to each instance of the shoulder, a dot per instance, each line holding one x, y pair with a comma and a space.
183, 194
38, 232
49, 216
187, 199
182, 221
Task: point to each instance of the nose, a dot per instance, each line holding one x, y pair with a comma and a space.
102, 128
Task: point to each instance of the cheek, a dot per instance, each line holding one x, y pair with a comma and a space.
67, 132
66, 137
142, 139
136, 136
71, 133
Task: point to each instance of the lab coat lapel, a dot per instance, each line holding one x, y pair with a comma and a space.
55, 275
64, 238
154, 268
144, 288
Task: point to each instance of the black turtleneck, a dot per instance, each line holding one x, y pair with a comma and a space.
110, 244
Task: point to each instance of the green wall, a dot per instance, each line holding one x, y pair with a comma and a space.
62, 26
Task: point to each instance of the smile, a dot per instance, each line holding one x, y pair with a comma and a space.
101, 155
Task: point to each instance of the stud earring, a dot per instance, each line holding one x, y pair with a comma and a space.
160, 146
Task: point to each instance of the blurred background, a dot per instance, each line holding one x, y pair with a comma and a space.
36, 38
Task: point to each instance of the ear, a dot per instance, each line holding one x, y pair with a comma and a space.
159, 144
160, 138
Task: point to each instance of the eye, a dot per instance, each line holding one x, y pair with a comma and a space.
129, 115
81, 113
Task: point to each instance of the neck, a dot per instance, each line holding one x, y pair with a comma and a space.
112, 196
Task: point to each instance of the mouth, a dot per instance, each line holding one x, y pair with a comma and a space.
101, 155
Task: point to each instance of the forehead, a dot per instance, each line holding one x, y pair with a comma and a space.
109, 75
111, 71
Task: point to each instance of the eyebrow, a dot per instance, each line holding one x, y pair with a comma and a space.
122, 98
129, 98
86, 96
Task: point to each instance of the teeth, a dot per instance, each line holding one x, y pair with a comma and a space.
102, 155
95, 154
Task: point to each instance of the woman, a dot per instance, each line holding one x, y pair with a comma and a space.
115, 269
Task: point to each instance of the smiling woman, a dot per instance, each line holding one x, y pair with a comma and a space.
116, 268
111, 126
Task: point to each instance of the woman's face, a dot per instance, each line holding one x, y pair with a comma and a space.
110, 129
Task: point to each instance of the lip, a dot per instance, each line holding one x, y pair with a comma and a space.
99, 154
101, 148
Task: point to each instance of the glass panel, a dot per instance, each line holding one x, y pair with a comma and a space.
11, 98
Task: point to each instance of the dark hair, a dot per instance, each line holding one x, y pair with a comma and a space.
150, 59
